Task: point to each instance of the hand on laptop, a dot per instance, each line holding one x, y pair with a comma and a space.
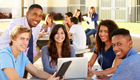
89, 66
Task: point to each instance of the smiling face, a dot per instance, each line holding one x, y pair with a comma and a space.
121, 46
103, 33
34, 17
21, 42
59, 36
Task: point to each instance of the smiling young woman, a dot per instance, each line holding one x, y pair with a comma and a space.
103, 49
58, 47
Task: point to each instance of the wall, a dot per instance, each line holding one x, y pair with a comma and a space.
13, 6
133, 11
62, 7
94, 3
44, 4
6, 6
59, 6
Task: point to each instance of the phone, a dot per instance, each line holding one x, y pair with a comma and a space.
63, 69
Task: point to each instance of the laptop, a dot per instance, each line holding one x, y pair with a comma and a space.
77, 69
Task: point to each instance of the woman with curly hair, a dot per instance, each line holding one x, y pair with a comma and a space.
103, 51
58, 47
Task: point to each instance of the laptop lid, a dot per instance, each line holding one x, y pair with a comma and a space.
77, 69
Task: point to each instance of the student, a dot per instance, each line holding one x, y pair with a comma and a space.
93, 17
103, 51
32, 20
128, 69
78, 34
78, 15
47, 26
13, 60
66, 22
58, 47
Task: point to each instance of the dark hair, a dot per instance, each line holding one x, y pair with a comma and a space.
74, 20
35, 6
111, 25
69, 14
122, 32
80, 16
52, 45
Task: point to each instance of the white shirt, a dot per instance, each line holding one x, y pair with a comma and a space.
91, 23
5, 37
78, 37
49, 30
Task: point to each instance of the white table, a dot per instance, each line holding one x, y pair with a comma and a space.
94, 78
44, 37
34, 78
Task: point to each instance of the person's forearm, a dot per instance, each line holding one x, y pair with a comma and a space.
107, 71
22, 79
42, 74
93, 59
19, 79
39, 36
48, 69
91, 63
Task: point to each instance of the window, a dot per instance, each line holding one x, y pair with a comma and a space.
113, 9
138, 11
77, 4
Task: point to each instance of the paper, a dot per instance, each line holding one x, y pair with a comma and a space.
94, 77
85, 17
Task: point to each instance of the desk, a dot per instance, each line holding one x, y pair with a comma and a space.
44, 37
34, 78
43, 41
94, 78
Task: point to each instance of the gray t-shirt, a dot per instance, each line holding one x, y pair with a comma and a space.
46, 59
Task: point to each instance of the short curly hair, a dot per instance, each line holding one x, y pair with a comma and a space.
111, 25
